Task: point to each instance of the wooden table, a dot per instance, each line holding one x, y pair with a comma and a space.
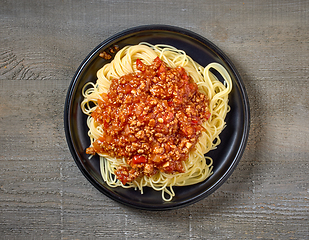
43, 195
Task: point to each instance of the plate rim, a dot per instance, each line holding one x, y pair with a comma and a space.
195, 36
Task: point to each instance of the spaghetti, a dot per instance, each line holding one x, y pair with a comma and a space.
133, 61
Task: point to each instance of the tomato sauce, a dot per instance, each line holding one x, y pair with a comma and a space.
153, 118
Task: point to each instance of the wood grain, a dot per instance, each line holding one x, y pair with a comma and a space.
43, 195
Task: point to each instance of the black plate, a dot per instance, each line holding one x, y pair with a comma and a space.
234, 136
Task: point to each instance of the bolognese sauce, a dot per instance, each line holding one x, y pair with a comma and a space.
153, 118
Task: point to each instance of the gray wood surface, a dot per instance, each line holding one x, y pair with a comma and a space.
43, 195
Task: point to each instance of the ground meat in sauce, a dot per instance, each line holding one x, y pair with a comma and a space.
152, 118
